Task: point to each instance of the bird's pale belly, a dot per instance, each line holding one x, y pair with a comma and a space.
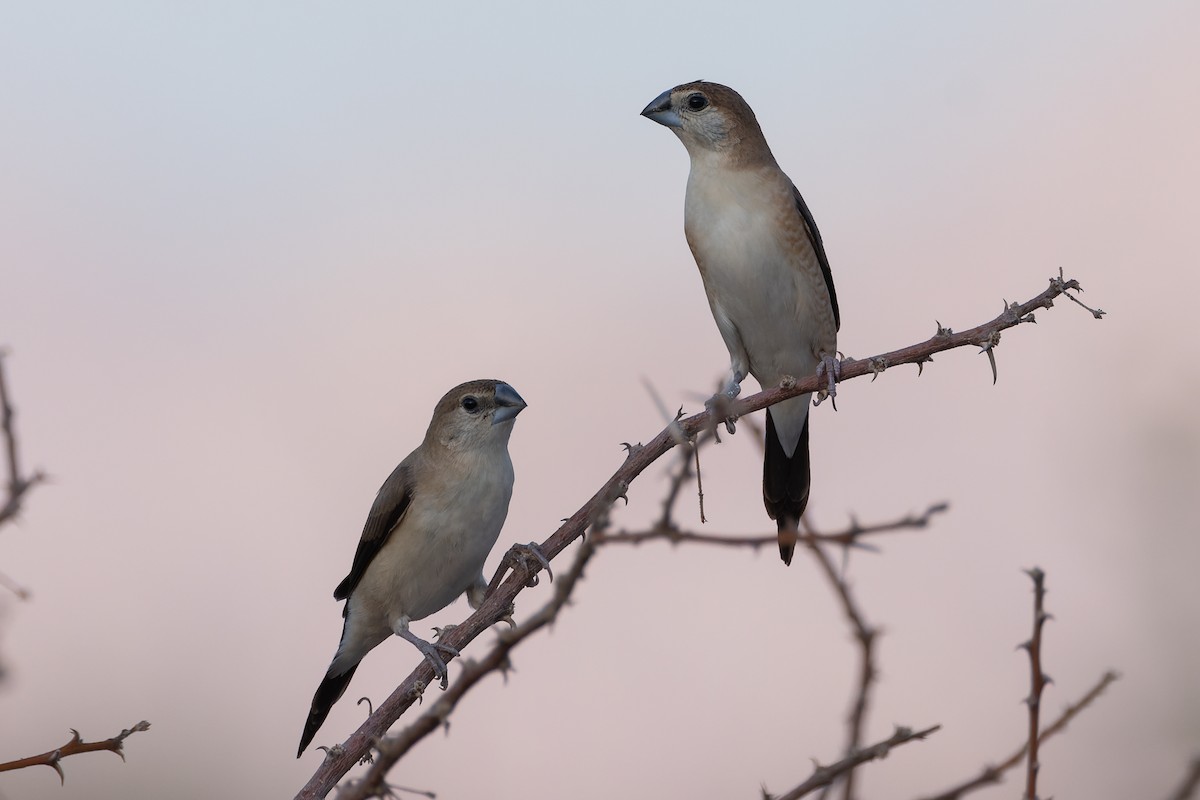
769, 313
418, 576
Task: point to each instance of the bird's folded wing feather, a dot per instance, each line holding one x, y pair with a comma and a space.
814, 236
387, 511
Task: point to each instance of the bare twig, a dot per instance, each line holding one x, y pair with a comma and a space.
994, 774
824, 776
1191, 782
18, 484
679, 477
1037, 678
595, 511
76, 746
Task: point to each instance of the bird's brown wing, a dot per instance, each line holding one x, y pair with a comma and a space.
393, 500
814, 236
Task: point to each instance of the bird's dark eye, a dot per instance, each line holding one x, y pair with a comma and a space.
697, 102
470, 404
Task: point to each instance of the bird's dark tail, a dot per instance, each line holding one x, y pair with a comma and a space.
331, 688
785, 486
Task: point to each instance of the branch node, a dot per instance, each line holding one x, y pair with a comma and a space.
878, 364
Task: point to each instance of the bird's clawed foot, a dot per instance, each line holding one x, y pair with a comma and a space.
831, 368
523, 554
520, 555
722, 403
433, 651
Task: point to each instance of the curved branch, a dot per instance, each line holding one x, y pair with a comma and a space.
595, 511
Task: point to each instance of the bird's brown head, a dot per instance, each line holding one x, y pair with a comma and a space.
475, 413
710, 118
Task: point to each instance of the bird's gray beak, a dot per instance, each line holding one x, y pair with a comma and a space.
661, 112
508, 403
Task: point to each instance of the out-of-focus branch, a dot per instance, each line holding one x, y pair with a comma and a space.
8, 583
865, 635
18, 484
77, 745
1037, 679
1191, 782
851, 537
994, 774
825, 776
393, 748
596, 510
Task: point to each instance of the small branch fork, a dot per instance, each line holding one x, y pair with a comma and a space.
77, 745
1038, 681
594, 514
994, 774
18, 484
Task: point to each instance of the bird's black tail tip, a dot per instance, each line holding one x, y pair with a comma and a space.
328, 693
787, 538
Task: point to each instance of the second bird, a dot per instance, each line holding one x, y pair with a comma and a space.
764, 270
429, 531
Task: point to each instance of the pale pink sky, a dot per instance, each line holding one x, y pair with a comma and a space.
246, 249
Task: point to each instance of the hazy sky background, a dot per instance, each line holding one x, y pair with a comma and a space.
245, 247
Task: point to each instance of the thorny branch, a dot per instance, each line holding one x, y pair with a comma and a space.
1037, 678
18, 484
994, 774
595, 511
76, 746
825, 776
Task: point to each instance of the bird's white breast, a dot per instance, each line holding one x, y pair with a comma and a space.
759, 268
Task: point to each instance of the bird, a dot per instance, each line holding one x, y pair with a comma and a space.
432, 525
765, 272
